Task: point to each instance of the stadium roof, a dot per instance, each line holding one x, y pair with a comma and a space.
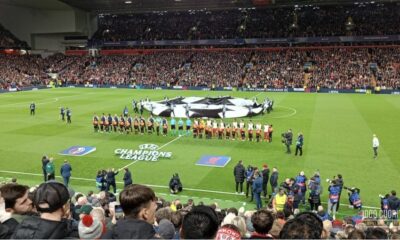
115, 6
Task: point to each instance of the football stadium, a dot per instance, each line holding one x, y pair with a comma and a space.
205, 119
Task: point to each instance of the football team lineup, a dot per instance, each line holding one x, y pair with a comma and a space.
337, 133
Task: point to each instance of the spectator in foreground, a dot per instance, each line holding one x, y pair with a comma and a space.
52, 202
262, 222
90, 228
16, 202
200, 223
139, 205
306, 225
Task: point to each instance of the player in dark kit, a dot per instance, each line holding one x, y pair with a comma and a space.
125, 112
228, 132
95, 123
136, 125
150, 123
121, 124
102, 122
128, 125
69, 114
109, 123
195, 128
32, 107
165, 126
142, 125
115, 122
62, 113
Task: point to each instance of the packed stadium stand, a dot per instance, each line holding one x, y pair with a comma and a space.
310, 21
331, 65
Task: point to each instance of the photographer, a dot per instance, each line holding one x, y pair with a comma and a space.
175, 184
315, 192
354, 197
287, 139
334, 190
384, 204
340, 182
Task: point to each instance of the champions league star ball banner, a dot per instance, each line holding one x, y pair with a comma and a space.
213, 161
219, 107
78, 151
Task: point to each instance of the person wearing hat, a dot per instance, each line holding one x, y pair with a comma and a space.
90, 228
84, 210
51, 200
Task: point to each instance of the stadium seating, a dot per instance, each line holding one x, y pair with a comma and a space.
307, 21
246, 222
336, 68
8, 40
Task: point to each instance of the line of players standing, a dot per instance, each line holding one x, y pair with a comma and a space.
201, 128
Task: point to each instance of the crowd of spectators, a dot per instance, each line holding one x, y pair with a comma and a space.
310, 21
8, 40
53, 211
336, 68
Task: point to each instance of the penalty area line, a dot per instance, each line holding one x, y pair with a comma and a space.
150, 185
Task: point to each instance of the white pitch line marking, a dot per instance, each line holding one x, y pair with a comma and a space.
150, 185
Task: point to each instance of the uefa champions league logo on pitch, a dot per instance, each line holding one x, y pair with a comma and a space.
146, 152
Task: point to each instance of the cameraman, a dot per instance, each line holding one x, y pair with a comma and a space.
334, 190
175, 184
385, 204
354, 197
287, 139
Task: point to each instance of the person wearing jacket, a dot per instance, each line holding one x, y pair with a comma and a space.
65, 171
139, 205
101, 180
50, 169
127, 178
265, 176
52, 202
274, 180
110, 180
299, 144
249, 181
239, 172
334, 190
257, 188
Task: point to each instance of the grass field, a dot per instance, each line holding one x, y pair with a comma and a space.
337, 129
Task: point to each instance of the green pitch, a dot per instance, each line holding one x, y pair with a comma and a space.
337, 130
